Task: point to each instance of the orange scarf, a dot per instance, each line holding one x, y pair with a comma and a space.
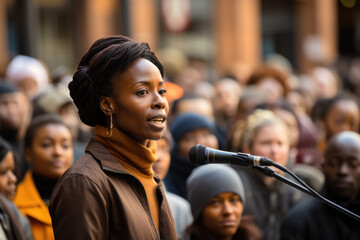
136, 159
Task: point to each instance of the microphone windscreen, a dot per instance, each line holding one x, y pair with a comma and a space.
197, 154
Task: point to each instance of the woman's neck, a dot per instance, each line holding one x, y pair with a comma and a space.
130, 153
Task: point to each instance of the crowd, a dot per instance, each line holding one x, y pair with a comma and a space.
103, 153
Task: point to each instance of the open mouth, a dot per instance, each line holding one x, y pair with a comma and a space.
157, 120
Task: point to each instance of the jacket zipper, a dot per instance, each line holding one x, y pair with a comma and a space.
146, 200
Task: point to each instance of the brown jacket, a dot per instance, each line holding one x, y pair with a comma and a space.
97, 199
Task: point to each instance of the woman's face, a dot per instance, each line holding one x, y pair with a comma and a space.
272, 89
343, 116
139, 105
271, 141
51, 152
222, 215
7, 176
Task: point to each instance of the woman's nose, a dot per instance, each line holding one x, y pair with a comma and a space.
227, 207
159, 101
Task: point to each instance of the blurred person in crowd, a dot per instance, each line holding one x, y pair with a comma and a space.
187, 129
271, 80
196, 104
201, 64
8, 179
348, 69
205, 89
111, 191
14, 110
217, 199
55, 99
250, 98
334, 115
307, 146
180, 207
308, 89
267, 199
313, 219
192, 103
228, 92
14, 224
188, 78
327, 81
284, 111
27, 73
308, 131
48, 148
311, 173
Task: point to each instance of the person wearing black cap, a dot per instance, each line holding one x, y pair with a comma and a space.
187, 129
217, 197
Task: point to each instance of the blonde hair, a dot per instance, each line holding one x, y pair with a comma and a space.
245, 132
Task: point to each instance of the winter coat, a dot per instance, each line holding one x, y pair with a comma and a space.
98, 199
30, 204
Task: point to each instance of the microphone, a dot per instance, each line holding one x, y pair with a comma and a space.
200, 155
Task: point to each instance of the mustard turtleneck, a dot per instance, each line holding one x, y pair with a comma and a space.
137, 159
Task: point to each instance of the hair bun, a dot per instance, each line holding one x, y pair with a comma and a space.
85, 94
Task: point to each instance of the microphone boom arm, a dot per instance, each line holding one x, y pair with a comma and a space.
271, 173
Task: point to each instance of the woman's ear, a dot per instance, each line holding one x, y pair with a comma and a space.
107, 105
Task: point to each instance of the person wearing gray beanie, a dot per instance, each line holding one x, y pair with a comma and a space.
209, 180
217, 197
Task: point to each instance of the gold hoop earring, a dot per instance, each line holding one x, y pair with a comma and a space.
109, 130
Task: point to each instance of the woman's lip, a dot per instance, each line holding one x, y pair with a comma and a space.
228, 223
58, 164
158, 125
163, 116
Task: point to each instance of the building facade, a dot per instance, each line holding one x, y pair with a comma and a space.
226, 33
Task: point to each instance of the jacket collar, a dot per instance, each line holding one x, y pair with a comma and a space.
105, 159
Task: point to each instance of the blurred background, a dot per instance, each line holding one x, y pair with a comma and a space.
225, 34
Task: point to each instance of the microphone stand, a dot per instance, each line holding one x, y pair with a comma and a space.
271, 173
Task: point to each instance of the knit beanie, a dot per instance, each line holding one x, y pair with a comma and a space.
207, 181
187, 122
22, 67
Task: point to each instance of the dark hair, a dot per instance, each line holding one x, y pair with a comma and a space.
280, 104
4, 148
323, 105
39, 122
265, 71
106, 57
